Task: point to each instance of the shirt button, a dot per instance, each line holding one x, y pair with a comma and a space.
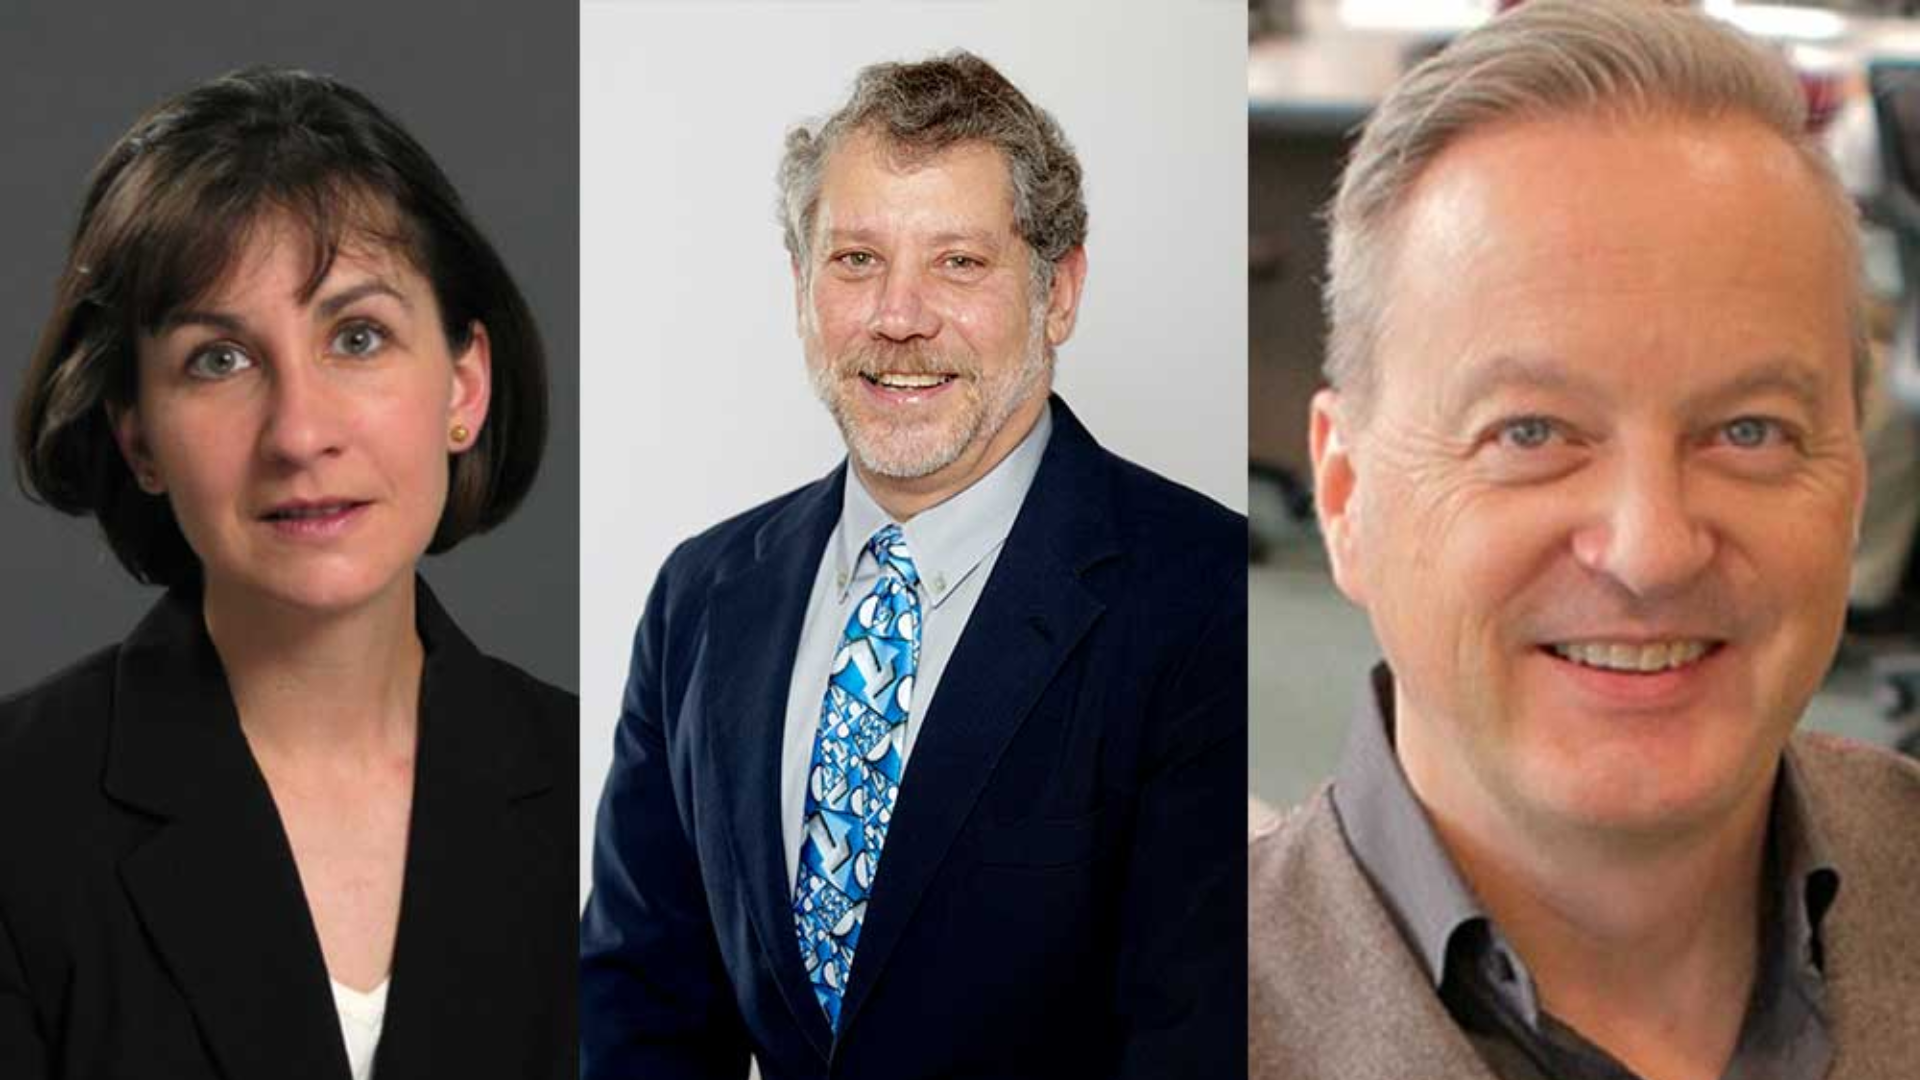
939, 584
1503, 966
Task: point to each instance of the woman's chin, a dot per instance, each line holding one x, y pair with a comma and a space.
316, 591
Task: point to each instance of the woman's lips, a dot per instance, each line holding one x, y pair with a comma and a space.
315, 521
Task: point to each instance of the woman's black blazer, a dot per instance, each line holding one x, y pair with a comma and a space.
152, 923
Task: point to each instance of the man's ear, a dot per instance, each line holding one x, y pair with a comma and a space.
1860, 493
1335, 484
132, 440
1063, 298
799, 297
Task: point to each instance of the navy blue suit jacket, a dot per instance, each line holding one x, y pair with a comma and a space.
1063, 892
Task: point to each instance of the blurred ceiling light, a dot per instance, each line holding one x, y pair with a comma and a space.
1780, 22
1415, 16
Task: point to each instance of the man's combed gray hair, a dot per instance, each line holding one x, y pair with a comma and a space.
1623, 59
921, 109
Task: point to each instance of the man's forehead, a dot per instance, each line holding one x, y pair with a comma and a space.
1594, 240
1568, 195
873, 146
869, 171
1571, 168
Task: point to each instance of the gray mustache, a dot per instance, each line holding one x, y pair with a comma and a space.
909, 358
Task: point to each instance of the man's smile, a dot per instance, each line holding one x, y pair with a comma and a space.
901, 381
1636, 657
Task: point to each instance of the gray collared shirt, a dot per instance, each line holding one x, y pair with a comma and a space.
954, 546
1487, 987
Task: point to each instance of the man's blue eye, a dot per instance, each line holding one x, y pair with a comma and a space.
1527, 432
1750, 432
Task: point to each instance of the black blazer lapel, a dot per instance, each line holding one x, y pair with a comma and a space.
753, 627
216, 887
1029, 619
470, 969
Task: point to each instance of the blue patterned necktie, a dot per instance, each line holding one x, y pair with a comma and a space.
854, 776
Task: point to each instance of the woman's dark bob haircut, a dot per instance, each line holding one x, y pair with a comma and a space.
168, 212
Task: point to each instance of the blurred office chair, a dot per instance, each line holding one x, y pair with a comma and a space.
1872, 7
1895, 89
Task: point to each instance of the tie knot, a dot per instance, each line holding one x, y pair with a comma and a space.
889, 548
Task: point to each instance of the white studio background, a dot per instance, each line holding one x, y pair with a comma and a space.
695, 404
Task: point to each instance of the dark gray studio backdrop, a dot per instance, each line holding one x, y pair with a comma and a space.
492, 91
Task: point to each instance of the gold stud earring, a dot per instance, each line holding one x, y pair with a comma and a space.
460, 434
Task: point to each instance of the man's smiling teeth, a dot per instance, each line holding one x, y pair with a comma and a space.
1616, 656
907, 382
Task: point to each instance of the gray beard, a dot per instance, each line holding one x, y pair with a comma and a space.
878, 449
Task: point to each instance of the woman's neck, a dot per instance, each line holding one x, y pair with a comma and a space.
304, 684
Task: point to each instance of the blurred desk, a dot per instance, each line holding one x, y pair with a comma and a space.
1306, 96
1322, 84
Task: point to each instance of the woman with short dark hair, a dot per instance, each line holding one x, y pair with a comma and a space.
300, 825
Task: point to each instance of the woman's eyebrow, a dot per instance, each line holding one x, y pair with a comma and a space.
218, 320
339, 301
227, 322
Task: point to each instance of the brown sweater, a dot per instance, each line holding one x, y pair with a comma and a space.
1334, 992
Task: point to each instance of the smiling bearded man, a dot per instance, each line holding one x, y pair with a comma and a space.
1591, 463
910, 309
1054, 640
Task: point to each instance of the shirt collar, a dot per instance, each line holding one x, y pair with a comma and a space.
1810, 881
1394, 843
1392, 839
948, 541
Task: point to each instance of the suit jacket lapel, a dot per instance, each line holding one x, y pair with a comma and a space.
1871, 970
1334, 990
216, 886
754, 624
468, 955
1030, 617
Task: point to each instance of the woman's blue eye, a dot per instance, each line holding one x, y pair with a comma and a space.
1527, 432
359, 339
218, 362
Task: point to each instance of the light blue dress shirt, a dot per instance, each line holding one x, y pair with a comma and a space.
954, 546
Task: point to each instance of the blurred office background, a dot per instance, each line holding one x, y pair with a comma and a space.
1315, 69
